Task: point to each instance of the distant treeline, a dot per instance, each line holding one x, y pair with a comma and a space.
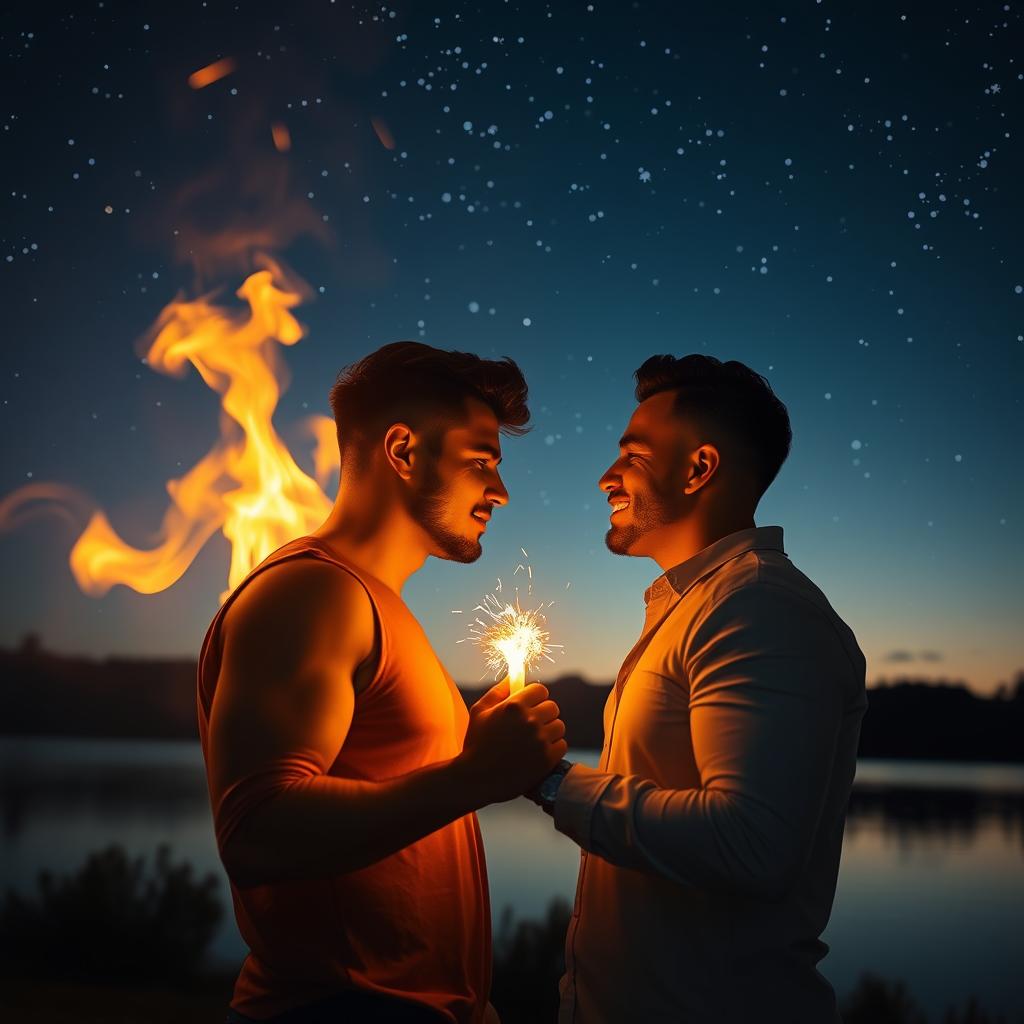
46, 694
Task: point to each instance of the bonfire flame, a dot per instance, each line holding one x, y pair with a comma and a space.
248, 486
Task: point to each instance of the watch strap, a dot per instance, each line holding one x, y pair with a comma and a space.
546, 792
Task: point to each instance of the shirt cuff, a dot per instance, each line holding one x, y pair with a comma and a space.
578, 795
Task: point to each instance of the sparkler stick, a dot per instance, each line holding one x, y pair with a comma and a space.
516, 674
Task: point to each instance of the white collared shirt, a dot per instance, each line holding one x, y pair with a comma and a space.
711, 832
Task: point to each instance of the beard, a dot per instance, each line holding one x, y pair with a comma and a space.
430, 509
645, 514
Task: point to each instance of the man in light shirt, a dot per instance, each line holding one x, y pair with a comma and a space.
712, 829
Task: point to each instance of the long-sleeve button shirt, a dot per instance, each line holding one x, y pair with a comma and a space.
712, 829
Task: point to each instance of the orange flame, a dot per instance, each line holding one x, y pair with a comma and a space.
212, 73
248, 486
281, 136
326, 458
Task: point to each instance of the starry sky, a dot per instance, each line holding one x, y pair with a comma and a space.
824, 191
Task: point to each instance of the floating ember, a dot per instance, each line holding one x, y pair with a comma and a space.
212, 73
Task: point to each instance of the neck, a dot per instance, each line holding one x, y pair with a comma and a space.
677, 542
386, 544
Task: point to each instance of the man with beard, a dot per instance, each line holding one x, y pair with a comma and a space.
344, 770
711, 831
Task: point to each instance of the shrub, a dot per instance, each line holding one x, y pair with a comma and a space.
112, 920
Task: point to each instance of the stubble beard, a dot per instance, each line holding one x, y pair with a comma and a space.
430, 509
646, 514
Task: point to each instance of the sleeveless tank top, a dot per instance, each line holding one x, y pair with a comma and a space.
415, 925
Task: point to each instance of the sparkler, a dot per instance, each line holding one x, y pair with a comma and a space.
512, 638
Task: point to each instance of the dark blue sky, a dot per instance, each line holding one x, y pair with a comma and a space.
824, 191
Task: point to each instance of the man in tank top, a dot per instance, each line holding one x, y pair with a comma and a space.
344, 770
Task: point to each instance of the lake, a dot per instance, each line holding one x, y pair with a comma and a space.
931, 889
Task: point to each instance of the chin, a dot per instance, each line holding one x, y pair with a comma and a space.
620, 541
465, 555
460, 549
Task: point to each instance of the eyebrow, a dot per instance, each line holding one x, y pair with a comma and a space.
633, 439
494, 453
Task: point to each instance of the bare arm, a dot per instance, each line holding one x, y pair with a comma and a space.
297, 648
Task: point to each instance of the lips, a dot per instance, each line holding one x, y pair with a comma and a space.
481, 516
618, 502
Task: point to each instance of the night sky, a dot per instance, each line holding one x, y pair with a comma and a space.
823, 191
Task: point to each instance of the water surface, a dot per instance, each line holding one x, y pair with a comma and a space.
931, 887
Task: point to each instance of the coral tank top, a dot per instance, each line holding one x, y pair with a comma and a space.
415, 925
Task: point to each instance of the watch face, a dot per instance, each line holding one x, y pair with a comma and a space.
549, 787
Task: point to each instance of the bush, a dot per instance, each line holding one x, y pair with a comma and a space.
529, 959
877, 1001
112, 921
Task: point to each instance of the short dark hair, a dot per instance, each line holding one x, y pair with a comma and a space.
412, 382
728, 399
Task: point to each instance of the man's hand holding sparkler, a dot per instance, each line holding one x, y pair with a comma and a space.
512, 741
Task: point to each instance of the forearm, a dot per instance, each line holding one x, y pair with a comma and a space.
323, 825
705, 838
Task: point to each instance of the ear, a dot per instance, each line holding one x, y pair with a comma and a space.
399, 445
702, 466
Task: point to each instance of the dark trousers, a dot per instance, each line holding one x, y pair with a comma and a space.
351, 1007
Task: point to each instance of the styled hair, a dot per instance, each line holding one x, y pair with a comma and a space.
728, 400
414, 383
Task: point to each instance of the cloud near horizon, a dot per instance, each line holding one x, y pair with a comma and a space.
904, 656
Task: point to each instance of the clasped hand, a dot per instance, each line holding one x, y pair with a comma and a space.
512, 742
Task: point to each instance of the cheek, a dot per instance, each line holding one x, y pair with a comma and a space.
661, 489
465, 489
628, 474
638, 480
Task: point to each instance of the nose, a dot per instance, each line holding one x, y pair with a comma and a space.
610, 479
497, 495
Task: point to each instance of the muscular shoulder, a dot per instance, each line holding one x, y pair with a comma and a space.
304, 609
296, 639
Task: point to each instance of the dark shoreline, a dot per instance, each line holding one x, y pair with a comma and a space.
47, 694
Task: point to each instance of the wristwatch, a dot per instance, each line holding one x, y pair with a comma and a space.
544, 793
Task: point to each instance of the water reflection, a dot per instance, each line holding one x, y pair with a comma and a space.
165, 780
109, 780
955, 815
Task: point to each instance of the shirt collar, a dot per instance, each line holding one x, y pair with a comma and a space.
682, 576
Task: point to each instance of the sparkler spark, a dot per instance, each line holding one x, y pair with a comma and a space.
512, 638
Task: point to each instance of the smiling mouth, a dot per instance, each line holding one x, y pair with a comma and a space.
618, 506
481, 517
